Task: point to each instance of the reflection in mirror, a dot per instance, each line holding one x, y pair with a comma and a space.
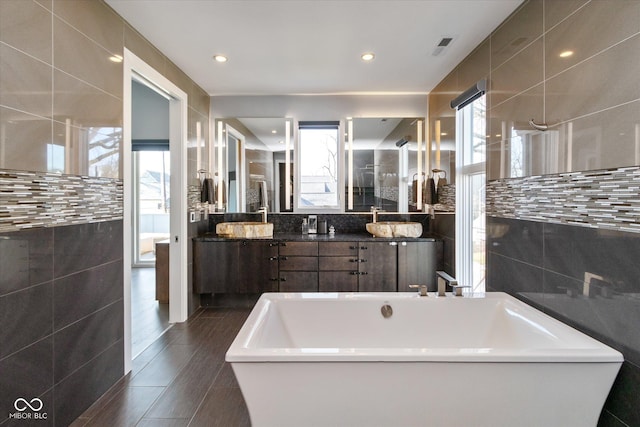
387, 166
319, 161
250, 164
26, 143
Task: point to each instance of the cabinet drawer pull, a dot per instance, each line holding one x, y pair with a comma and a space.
284, 258
283, 244
353, 247
393, 243
273, 258
364, 248
273, 244
283, 279
354, 260
273, 279
362, 260
354, 273
363, 273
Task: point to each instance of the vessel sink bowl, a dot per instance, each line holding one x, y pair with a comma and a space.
244, 230
395, 229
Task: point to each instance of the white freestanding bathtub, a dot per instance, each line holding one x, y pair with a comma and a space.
491, 360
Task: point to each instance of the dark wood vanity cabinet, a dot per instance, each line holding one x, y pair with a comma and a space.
338, 266
378, 267
298, 267
235, 266
215, 267
357, 266
417, 264
256, 266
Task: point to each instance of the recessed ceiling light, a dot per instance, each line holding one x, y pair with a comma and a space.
274, 131
116, 58
566, 54
281, 142
220, 58
444, 133
367, 56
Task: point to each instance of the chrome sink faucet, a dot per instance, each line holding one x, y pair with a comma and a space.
374, 213
263, 210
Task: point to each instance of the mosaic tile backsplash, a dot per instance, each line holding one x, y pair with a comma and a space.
40, 199
607, 198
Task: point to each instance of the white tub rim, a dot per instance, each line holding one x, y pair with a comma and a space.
241, 351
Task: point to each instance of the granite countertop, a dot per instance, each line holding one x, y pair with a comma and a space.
338, 237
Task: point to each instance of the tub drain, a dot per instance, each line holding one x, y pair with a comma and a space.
386, 311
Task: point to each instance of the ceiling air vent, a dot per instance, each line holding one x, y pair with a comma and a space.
445, 42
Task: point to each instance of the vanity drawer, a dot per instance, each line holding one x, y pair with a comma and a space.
337, 281
298, 281
338, 249
299, 263
299, 248
338, 263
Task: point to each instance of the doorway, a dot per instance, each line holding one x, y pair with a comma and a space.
135, 68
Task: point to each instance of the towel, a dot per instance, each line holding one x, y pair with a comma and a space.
215, 193
206, 191
263, 194
431, 195
211, 195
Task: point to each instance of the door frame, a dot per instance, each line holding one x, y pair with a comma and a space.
178, 116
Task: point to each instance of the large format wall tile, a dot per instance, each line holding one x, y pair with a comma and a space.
26, 316
80, 294
521, 72
623, 399
517, 32
582, 89
514, 277
555, 11
78, 391
27, 374
95, 19
588, 32
515, 239
26, 259
27, 142
26, 26
86, 246
80, 342
95, 68
604, 313
25, 82
84, 104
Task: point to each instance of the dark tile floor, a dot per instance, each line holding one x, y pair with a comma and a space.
179, 380
149, 318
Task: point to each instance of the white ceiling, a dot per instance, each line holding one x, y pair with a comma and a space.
280, 47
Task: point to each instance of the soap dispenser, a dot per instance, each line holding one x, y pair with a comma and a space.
305, 226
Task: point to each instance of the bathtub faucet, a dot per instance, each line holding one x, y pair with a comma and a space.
444, 279
422, 290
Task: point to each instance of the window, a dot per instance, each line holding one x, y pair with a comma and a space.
470, 193
320, 161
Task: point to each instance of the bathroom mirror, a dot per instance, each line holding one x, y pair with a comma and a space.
385, 160
250, 164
